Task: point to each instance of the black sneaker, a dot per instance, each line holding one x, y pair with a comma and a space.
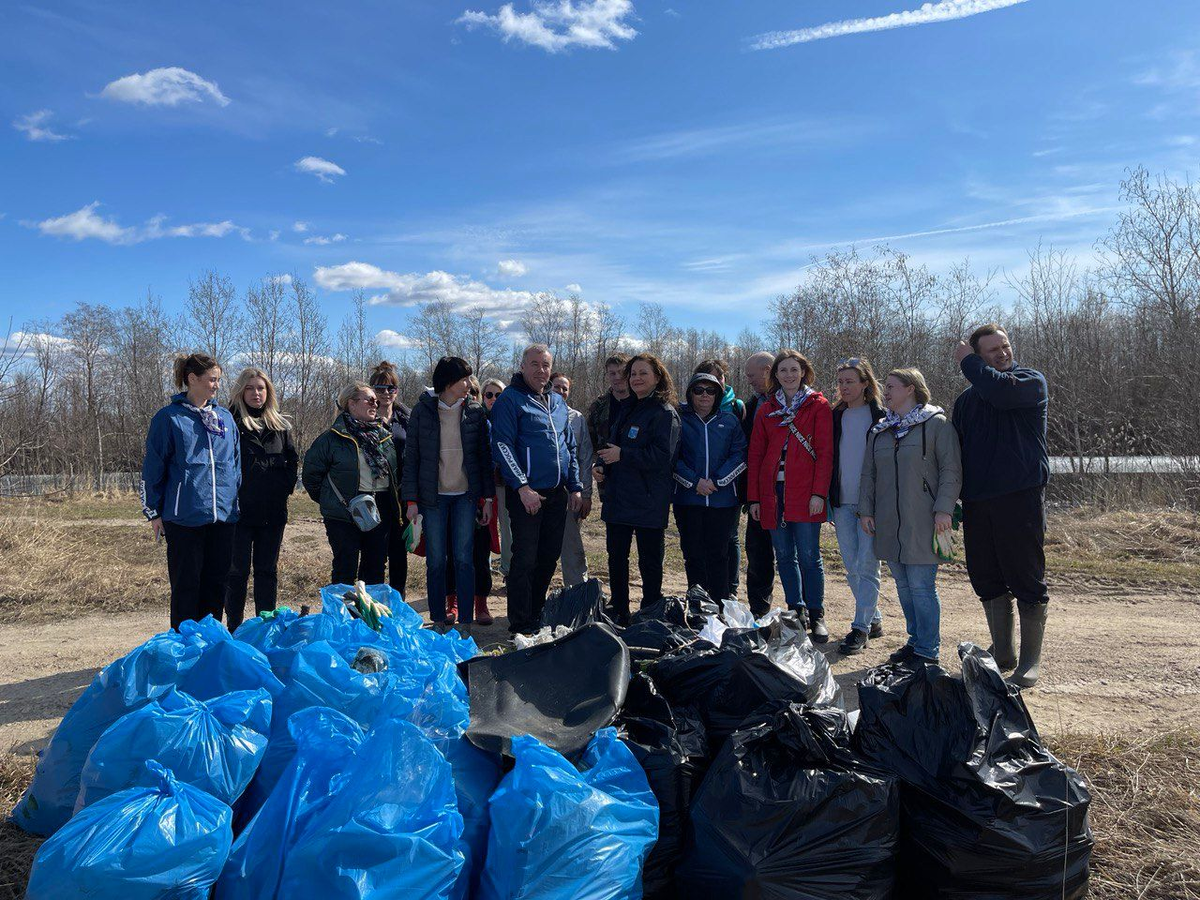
816, 624
876, 630
904, 654
855, 642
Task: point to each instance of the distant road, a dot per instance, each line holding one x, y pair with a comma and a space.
1124, 465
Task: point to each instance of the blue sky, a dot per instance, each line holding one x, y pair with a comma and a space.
657, 150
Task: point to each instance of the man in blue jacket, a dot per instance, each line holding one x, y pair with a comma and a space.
1001, 422
534, 447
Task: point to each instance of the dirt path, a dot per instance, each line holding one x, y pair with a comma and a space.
1117, 659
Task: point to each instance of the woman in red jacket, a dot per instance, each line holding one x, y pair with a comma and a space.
791, 463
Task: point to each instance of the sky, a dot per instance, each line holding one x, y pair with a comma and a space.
694, 154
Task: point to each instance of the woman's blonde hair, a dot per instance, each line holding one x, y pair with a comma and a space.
913, 378
271, 419
496, 381
866, 374
346, 394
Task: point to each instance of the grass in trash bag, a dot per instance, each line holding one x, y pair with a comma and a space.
16, 847
1145, 812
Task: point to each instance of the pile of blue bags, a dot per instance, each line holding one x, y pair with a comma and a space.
312, 756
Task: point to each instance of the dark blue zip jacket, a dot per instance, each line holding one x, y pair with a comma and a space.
532, 440
639, 486
190, 476
715, 449
1001, 422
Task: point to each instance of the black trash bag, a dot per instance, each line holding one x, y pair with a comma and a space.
670, 747
648, 639
690, 611
748, 671
787, 810
560, 692
986, 811
575, 607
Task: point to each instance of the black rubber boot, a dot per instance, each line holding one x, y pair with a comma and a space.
1033, 629
1002, 624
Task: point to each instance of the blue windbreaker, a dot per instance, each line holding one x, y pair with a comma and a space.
190, 476
531, 443
714, 449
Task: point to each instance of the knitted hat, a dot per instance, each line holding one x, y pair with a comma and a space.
448, 370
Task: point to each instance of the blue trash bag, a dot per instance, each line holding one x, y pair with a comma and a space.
214, 745
201, 660
326, 742
263, 633
428, 692
145, 843
476, 775
561, 834
312, 675
391, 830
403, 616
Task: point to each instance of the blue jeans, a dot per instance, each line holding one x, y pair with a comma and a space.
451, 522
916, 586
862, 568
798, 558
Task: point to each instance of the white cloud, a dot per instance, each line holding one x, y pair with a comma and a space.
322, 168
86, 224
942, 11
511, 268
164, 87
558, 25
273, 235
394, 340
755, 136
409, 289
36, 127
300, 227
285, 278
321, 240
574, 289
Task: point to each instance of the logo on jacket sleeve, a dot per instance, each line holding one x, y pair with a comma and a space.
633, 431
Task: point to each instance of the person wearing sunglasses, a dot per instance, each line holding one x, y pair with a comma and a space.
393, 415
712, 454
355, 456
854, 415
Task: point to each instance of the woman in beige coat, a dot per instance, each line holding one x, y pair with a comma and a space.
910, 482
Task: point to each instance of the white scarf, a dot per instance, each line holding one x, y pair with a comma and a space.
904, 424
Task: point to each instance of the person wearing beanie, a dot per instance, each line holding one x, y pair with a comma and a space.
712, 454
447, 472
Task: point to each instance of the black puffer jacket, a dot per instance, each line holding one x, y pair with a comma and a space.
269, 467
638, 488
422, 452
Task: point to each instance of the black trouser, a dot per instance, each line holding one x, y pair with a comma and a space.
760, 567
651, 545
258, 544
357, 555
537, 545
397, 550
704, 538
481, 556
1004, 538
198, 561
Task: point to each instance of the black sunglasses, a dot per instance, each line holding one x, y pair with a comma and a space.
386, 388
711, 391
849, 363
491, 395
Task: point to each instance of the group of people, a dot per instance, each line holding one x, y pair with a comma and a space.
510, 469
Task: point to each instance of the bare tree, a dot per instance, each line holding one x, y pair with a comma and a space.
214, 322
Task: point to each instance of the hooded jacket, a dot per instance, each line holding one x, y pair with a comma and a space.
532, 441
333, 457
715, 449
804, 476
904, 482
422, 452
190, 476
639, 486
269, 467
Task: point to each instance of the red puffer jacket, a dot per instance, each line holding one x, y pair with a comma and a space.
803, 476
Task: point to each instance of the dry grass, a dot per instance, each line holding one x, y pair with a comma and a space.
1145, 812
16, 847
1159, 546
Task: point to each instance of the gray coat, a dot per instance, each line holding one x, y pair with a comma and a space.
583, 449
904, 483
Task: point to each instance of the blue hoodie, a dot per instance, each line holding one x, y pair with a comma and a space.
190, 476
715, 449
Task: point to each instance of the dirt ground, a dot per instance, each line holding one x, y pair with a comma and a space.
1120, 658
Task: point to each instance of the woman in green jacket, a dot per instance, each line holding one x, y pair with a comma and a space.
354, 457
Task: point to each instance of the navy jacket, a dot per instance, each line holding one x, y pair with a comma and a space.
423, 452
269, 467
1001, 422
638, 487
190, 476
714, 449
532, 441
